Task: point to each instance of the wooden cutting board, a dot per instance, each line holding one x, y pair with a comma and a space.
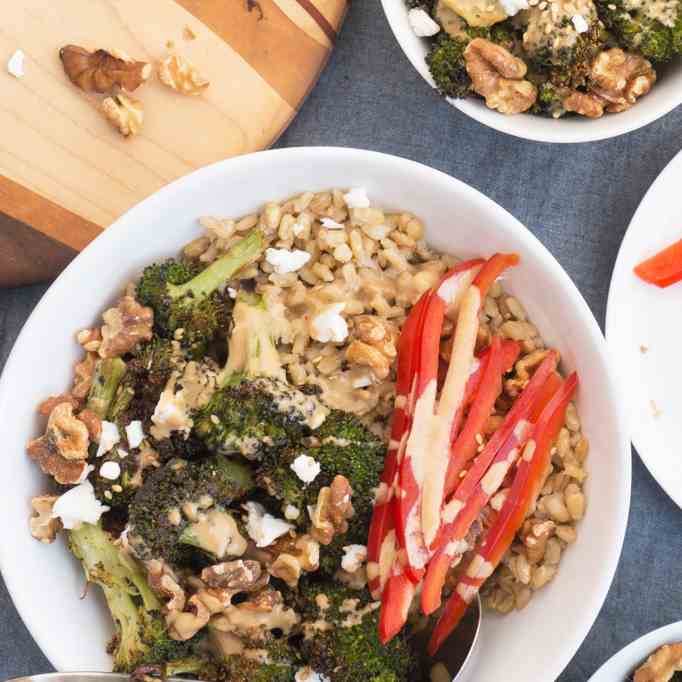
65, 173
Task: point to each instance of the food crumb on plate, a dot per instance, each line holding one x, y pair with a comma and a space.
15, 65
654, 409
644, 349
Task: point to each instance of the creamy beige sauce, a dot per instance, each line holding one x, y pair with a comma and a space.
217, 533
225, 643
308, 406
552, 27
478, 12
664, 11
451, 22
244, 619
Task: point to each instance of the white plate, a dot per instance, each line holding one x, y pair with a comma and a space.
641, 315
45, 582
664, 96
621, 666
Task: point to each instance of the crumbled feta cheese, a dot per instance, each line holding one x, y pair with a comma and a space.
329, 325
15, 65
331, 224
297, 228
108, 438
283, 260
307, 674
306, 468
512, 7
262, 527
581, 25
357, 197
232, 293
362, 382
78, 505
110, 470
353, 557
421, 23
122, 454
134, 433
291, 513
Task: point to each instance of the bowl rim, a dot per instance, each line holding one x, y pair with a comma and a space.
346, 156
509, 124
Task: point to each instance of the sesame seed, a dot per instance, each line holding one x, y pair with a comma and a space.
215, 419
107, 494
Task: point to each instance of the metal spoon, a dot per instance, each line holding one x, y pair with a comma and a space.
457, 654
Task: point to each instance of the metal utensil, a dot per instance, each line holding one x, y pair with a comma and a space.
457, 654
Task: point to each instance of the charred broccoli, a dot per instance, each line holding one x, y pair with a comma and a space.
105, 383
446, 63
351, 650
184, 298
181, 505
141, 636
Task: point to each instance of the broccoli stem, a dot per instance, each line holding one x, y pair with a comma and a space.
108, 375
221, 270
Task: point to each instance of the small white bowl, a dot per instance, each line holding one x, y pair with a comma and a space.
664, 97
45, 582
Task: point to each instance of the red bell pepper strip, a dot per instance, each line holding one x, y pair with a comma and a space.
395, 604
412, 466
663, 269
383, 523
445, 424
525, 489
483, 480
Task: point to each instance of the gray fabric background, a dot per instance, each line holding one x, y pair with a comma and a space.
577, 199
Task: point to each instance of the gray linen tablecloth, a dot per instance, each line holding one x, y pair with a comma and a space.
578, 199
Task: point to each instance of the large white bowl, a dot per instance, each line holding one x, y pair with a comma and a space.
46, 582
664, 97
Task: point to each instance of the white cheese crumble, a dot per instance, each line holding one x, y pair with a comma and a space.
15, 65
291, 513
108, 438
331, 224
297, 228
78, 505
110, 470
283, 260
421, 23
357, 197
512, 7
134, 433
307, 674
306, 468
362, 381
263, 528
329, 325
580, 24
353, 557
232, 293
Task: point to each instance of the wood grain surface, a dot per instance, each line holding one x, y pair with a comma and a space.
66, 173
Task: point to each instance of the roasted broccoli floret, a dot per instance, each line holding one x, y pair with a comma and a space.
105, 383
183, 299
550, 100
141, 636
350, 650
446, 63
637, 30
182, 504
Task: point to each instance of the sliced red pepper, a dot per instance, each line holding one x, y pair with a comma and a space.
525, 489
395, 604
482, 481
663, 269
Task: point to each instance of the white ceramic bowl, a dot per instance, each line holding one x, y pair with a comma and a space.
46, 582
664, 97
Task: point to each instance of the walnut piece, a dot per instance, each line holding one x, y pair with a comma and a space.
64, 471
374, 345
89, 339
584, 103
84, 371
125, 113
100, 71
178, 73
124, 326
498, 76
43, 526
293, 556
67, 433
93, 424
165, 584
620, 78
45, 408
332, 511
238, 576
183, 625
661, 665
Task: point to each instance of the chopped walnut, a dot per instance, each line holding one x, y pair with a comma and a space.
585, 104
620, 78
374, 345
498, 76
183, 625
524, 368
332, 511
64, 471
43, 526
124, 326
293, 556
84, 371
534, 536
93, 424
125, 113
238, 576
165, 584
45, 408
661, 665
67, 433
89, 339
178, 73
100, 71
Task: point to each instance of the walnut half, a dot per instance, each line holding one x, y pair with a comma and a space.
498, 76
125, 113
178, 73
124, 326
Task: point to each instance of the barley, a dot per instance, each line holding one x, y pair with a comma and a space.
342, 253
572, 420
566, 534
516, 309
575, 501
